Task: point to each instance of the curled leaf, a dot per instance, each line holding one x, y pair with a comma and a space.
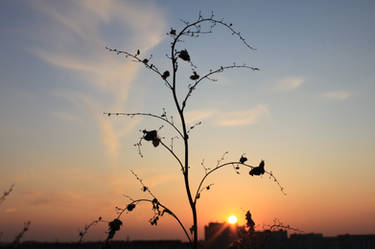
152, 136
184, 55
165, 75
130, 207
243, 159
194, 76
113, 227
156, 142
258, 170
154, 221
115, 224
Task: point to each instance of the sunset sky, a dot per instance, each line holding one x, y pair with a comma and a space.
309, 113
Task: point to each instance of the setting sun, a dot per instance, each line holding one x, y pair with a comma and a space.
232, 219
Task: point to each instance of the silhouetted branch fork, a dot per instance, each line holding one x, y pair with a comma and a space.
207, 76
238, 164
166, 210
6, 193
145, 61
144, 114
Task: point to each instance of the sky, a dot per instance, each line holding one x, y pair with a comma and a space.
309, 113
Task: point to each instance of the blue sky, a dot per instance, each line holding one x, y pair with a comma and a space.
309, 111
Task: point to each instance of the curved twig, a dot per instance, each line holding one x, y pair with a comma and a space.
163, 206
219, 70
85, 230
173, 154
214, 22
144, 114
152, 67
234, 163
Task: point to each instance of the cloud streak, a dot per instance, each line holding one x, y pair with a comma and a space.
337, 95
236, 118
290, 83
76, 35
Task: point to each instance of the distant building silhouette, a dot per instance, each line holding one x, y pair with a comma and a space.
219, 235
312, 241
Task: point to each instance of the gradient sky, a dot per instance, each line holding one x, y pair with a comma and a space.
309, 113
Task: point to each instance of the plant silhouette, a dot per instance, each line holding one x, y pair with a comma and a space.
6, 193
178, 56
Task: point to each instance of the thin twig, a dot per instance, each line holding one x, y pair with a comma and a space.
83, 233
144, 114
207, 76
163, 206
6, 193
234, 163
173, 154
152, 67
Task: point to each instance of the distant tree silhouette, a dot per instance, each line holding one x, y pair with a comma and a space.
179, 56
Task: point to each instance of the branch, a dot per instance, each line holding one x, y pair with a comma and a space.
232, 164
166, 210
83, 233
219, 70
19, 236
144, 114
152, 67
155, 204
6, 193
214, 22
173, 154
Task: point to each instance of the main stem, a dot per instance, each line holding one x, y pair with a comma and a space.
186, 145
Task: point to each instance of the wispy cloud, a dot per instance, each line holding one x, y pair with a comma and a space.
337, 95
76, 40
199, 115
244, 117
10, 210
235, 118
290, 83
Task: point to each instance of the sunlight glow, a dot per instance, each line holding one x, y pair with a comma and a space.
232, 219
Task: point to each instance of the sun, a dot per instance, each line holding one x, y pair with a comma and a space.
232, 219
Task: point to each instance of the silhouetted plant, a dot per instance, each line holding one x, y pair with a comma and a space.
26, 226
6, 193
19, 236
86, 228
202, 25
